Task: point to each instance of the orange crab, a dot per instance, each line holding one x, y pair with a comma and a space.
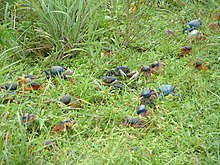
64, 125
201, 66
185, 51
27, 83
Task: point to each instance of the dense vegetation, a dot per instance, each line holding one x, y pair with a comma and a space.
36, 35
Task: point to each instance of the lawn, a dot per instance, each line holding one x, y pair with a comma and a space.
92, 38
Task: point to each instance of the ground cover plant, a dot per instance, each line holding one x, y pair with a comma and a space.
91, 38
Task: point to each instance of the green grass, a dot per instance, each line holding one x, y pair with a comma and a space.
180, 132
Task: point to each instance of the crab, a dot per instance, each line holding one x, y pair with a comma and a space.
66, 100
215, 26
106, 81
28, 118
123, 71
156, 68
134, 122
28, 83
142, 111
148, 95
166, 90
58, 71
63, 126
9, 96
133, 75
146, 71
185, 51
76, 103
10, 86
196, 36
193, 25
201, 66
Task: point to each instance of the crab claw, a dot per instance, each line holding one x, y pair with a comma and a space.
133, 75
122, 70
97, 83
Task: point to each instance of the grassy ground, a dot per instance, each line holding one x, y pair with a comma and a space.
179, 132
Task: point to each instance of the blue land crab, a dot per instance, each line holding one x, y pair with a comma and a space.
193, 25
75, 103
58, 71
124, 71
134, 122
142, 110
28, 83
148, 95
11, 86
106, 81
166, 90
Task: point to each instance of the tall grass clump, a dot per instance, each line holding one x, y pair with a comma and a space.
66, 24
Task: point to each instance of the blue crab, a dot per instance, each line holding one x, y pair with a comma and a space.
148, 95
58, 71
106, 81
167, 89
193, 25
75, 103
142, 111
11, 86
134, 122
124, 71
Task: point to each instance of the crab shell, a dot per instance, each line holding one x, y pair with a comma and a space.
141, 109
145, 69
109, 79
195, 23
66, 99
125, 69
166, 89
134, 122
35, 85
146, 93
156, 68
56, 70
11, 86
